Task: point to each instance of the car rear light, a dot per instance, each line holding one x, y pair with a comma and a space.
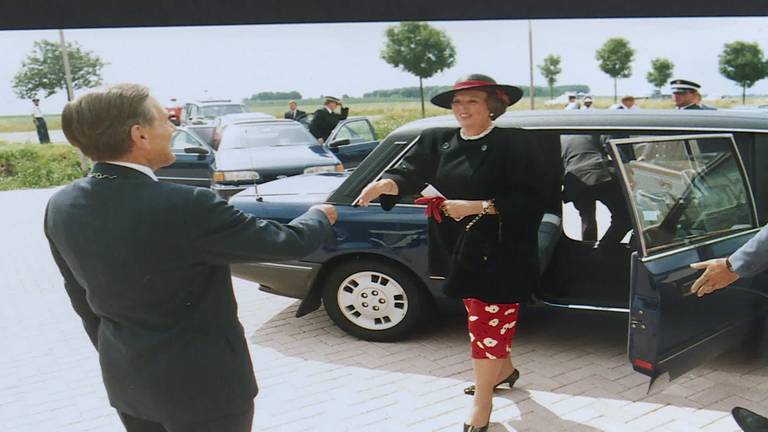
218, 177
642, 364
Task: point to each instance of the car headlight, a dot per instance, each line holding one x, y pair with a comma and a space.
324, 169
232, 176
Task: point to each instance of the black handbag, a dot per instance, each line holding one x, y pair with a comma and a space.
477, 250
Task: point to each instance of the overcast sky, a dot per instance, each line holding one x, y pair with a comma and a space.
335, 59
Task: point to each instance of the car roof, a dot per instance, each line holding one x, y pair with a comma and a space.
715, 120
265, 120
244, 116
217, 102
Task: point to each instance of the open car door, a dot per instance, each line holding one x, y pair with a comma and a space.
690, 202
352, 140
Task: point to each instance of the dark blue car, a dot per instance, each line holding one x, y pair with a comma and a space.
693, 184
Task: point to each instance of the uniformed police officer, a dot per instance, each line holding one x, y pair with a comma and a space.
686, 95
326, 119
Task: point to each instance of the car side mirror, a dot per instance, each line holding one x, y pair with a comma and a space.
196, 150
339, 143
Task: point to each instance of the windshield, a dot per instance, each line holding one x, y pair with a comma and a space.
213, 111
265, 135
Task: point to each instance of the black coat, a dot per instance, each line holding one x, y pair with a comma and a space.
145, 265
299, 115
324, 122
501, 166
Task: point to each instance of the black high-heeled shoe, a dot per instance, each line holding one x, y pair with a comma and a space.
508, 380
470, 428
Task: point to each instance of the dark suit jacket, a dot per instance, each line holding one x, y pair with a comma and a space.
323, 122
585, 163
501, 166
299, 115
145, 265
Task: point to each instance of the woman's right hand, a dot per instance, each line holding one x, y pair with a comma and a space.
375, 189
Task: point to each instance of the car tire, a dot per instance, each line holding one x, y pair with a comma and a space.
375, 300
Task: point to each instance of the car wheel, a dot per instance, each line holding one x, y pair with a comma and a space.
375, 300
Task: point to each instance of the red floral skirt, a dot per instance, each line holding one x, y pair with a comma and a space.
491, 328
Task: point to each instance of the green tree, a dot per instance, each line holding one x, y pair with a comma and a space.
43, 70
419, 49
615, 59
744, 63
660, 73
550, 69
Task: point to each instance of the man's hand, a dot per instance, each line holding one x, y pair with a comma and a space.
716, 276
329, 210
375, 189
459, 209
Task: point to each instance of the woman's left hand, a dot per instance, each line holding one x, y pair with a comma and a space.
459, 209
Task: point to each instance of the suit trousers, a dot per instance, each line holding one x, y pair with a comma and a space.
238, 422
609, 193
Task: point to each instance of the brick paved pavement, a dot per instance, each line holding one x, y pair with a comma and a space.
313, 377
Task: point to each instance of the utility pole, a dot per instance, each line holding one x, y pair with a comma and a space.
530, 62
70, 91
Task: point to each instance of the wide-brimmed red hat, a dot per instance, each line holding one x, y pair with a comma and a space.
507, 93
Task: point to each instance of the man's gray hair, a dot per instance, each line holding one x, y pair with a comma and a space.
99, 122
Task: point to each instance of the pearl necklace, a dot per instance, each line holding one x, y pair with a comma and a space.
478, 136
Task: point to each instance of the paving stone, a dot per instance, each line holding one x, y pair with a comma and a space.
314, 377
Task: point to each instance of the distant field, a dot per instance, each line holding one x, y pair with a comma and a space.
23, 123
387, 114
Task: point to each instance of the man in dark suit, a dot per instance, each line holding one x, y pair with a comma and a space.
293, 112
146, 266
326, 119
589, 178
747, 261
686, 95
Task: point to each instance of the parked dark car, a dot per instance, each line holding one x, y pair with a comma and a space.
699, 191
259, 151
194, 160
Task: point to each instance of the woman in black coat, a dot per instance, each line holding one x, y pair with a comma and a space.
486, 211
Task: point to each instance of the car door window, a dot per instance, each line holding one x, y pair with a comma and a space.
182, 139
685, 190
356, 132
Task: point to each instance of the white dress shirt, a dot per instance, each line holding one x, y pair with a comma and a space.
138, 167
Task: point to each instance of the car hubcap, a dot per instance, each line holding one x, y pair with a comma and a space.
372, 300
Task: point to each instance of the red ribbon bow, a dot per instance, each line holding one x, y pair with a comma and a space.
433, 209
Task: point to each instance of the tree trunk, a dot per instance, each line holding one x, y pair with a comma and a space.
615, 91
743, 94
421, 91
551, 92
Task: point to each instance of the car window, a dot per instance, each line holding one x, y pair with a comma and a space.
212, 111
685, 190
238, 136
356, 132
183, 139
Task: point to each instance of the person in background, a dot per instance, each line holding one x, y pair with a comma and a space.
146, 267
627, 102
686, 95
572, 103
589, 177
587, 103
39, 121
326, 119
294, 113
485, 175
747, 261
